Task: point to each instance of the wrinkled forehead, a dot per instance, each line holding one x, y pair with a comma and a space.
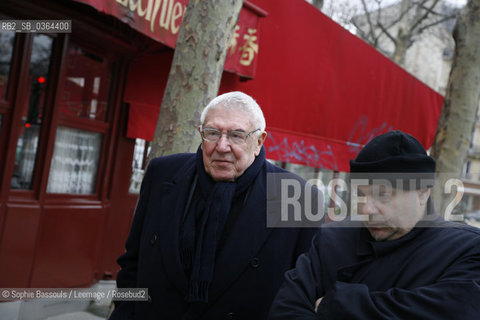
228, 116
378, 188
386, 192
398, 180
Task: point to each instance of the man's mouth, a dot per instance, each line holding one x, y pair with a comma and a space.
375, 226
220, 161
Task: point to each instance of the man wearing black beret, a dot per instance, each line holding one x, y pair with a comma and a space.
402, 262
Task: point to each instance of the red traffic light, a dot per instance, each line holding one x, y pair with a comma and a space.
41, 79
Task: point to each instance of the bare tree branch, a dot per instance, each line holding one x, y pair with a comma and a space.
387, 33
420, 30
400, 17
397, 23
362, 34
424, 17
371, 31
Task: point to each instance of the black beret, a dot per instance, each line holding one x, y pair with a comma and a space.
397, 153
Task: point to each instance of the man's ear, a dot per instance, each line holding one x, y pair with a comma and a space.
260, 140
200, 132
423, 195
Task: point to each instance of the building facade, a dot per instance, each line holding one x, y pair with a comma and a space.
73, 107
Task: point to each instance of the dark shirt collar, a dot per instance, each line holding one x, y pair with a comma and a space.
367, 245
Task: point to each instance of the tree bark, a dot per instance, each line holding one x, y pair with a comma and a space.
318, 4
195, 73
402, 43
404, 35
457, 120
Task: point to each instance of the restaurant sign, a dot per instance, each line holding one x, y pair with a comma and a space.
161, 21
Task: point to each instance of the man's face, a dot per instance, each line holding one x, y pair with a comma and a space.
223, 160
391, 212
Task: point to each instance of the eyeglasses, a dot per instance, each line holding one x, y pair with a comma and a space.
234, 137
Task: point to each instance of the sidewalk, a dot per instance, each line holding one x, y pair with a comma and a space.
93, 312
59, 309
12, 311
81, 315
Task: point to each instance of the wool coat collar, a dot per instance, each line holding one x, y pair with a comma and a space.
245, 240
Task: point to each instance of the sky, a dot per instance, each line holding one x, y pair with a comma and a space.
344, 10
458, 3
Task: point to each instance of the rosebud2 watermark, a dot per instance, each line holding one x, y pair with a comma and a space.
292, 202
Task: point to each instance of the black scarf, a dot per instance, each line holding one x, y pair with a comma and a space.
202, 230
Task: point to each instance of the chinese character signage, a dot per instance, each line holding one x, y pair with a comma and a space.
161, 20
243, 51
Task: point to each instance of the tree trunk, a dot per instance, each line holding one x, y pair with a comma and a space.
318, 4
195, 73
457, 120
404, 34
403, 42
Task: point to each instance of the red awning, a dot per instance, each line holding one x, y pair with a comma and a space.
324, 92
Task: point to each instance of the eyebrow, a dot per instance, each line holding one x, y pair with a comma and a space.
380, 191
241, 130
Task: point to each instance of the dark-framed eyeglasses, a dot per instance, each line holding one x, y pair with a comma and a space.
234, 136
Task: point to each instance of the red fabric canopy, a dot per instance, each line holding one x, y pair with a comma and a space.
324, 92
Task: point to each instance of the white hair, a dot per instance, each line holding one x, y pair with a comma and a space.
238, 101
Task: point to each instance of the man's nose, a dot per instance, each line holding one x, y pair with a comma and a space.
223, 144
368, 207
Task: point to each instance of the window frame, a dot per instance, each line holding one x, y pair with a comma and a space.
114, 42
106, 128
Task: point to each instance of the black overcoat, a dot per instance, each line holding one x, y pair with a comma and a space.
248, 271
430, 273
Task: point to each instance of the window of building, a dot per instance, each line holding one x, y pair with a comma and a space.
83, 123
75, 161
6, 49
467, 170
32, 119
87, 85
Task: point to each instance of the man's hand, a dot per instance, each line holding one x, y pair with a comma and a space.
317, 303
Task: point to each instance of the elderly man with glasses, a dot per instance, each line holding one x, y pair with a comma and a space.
199, 240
